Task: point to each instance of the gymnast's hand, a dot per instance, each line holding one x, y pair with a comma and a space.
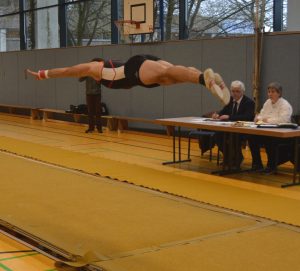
32, 73
40, 75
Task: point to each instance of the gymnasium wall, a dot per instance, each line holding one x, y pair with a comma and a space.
231, 57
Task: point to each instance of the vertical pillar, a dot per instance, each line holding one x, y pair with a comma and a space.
114, 15
277, 15
161, 20
23, 39
62, 23
183, 19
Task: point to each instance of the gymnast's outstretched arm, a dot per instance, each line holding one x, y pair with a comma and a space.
91, 69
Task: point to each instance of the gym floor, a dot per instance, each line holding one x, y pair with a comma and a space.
107, 200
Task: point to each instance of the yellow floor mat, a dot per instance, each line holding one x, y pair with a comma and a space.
269, 248
122, 227
80, 213
274, 203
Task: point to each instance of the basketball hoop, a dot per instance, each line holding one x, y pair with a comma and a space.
137, 20
129, 22
127, 28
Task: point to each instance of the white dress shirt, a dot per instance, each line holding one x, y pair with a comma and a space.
279, 112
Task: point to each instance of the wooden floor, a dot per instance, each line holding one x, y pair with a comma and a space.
15, 256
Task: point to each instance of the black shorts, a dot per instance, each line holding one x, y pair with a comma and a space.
132, 67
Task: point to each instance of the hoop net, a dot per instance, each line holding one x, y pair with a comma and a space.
127, 27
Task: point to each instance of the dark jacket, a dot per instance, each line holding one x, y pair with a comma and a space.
92, 87
245, 111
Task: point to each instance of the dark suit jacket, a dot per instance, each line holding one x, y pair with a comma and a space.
245, 111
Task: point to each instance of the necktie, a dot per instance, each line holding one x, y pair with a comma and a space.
234, 111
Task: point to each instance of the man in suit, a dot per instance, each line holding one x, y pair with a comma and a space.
240, 108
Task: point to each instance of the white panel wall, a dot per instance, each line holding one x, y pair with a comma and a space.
293, 18
231, 57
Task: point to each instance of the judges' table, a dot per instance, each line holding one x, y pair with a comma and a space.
231, 135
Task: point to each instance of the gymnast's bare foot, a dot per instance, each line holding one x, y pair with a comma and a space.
224, 88
210, 82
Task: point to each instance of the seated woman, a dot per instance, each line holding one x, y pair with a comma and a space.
275, 110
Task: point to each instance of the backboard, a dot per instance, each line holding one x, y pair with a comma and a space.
140, 11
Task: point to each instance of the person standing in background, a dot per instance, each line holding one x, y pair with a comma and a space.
93, 100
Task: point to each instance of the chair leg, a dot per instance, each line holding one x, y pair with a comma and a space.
276, 157
210, 148
189, 147
218, 156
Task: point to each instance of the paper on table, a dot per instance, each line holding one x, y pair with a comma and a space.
211, 121
245, 124
198, 120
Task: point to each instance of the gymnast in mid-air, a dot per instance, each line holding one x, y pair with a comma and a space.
140, 70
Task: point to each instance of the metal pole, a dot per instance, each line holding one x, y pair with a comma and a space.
277, 15
114, 16
62, 23
183, 19
23, 37
161, 20
257, 58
